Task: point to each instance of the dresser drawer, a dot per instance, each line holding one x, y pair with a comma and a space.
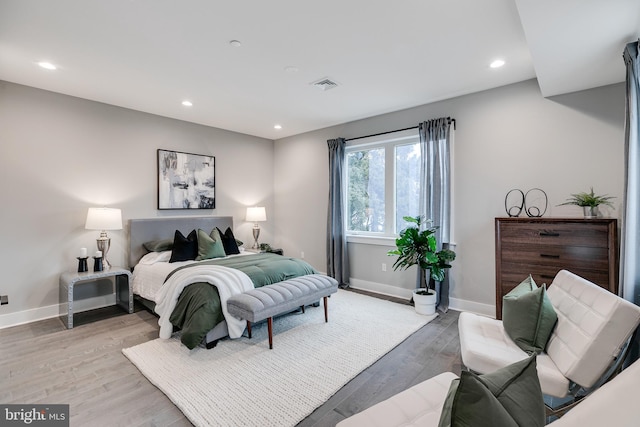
572, 234
513, 274
567, 257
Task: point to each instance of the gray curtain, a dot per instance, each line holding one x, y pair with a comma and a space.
337, 259
435, 179
630, 242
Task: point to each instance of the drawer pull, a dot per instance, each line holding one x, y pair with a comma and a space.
549, 234
549, 256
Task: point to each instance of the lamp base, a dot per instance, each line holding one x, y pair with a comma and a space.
256, 234
103, 244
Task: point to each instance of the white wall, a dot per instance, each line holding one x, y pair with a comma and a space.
60, 155
510, 137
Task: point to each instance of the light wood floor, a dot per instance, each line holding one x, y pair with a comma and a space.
42, 362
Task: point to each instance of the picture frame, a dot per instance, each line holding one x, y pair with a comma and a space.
186, 180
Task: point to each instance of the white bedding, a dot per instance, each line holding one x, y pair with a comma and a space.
149, 274
228, 281
148, 281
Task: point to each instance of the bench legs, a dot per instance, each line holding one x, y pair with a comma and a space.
270, 323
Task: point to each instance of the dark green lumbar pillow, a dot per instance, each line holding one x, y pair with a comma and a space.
528, 316
209, 246
508, 397
158, 245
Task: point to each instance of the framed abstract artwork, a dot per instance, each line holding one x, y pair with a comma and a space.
186, 181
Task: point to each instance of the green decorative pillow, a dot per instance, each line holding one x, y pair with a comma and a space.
528, 316
209, 246
158, 245
508, 397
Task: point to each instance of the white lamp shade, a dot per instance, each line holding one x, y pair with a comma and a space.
104, 219
256, 214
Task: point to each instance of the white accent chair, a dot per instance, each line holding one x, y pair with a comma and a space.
417, 406
593, 327
613, 404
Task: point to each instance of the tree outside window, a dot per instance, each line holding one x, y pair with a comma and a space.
383, 185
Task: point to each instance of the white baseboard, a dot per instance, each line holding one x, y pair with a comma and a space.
454, 303
380, 288
473, 307
42, 313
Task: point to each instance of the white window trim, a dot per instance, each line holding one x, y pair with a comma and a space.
372, 240
386, 238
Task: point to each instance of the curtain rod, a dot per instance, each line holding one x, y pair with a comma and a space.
397, 130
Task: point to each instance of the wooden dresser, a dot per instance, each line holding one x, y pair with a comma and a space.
543, 246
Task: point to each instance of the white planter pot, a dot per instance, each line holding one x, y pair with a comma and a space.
590, 211
425, 304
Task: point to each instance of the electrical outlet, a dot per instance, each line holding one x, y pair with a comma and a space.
4, 299
302, 254
384, 267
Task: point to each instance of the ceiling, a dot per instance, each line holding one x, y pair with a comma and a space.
150, 55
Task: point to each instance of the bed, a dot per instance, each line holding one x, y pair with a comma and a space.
181, 292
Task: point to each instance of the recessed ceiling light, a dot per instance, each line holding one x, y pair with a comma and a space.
497, 63
47, 65
187, 103
277, 127
235, 43
291, 69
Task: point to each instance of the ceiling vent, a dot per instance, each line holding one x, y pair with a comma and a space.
324, 84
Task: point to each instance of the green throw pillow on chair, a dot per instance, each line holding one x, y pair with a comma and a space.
528, 316
508, 397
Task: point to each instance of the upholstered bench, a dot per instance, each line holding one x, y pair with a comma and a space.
270, 300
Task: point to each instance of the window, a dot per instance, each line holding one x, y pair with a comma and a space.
383, 183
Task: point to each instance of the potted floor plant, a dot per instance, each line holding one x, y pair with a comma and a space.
589, 202
417, 245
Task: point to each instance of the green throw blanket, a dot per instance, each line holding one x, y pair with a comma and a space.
199, 308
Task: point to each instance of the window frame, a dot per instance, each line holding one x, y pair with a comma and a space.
388, 141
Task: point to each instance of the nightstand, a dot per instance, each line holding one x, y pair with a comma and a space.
70, 279
260, 251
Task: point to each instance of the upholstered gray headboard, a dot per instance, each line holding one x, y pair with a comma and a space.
145, 230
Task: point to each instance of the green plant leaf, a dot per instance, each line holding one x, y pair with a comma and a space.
588, 199
419, 247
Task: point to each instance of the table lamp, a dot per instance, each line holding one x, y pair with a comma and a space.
104, 219
255, 215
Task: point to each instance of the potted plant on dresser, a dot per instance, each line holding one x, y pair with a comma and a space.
589, 202
418, 246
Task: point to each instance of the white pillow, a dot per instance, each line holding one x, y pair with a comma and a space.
154, 257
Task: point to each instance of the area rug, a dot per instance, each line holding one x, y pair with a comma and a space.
243, 383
